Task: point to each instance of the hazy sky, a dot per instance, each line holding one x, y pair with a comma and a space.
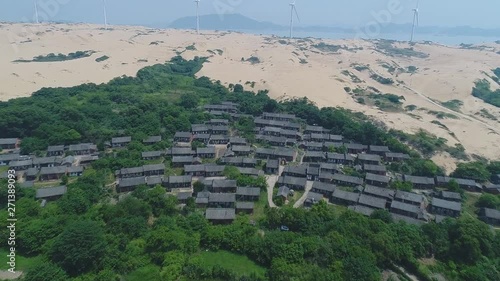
477, 13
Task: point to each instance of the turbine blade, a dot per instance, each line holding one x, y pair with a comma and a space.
417, 18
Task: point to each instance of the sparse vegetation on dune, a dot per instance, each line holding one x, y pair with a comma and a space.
482, 90
453, 104
382, 80
387, 47
102, 58
486, 114
59, 57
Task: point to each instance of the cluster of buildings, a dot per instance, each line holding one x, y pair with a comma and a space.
322, 161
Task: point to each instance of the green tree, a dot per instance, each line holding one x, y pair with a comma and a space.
488, 201
472, 170
45, 271
80, 247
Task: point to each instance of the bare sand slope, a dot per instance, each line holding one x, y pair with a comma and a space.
295, 68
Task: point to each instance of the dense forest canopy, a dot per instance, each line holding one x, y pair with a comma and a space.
87, 235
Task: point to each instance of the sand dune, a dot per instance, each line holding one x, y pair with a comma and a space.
293, 68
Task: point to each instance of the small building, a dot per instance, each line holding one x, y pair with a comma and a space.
314, 156
223, 185
55, 150
466, 184
336, 158
51, 193
181, 161
5, 159
74, 171
342, 197
180, 151
21, 165
11, 143
312, 146
237, 141
253, 172
218, 122
325, 177
129, 184
86, 160
286, 154
241, 150
370, 159
312, 199
283, 192
377, 180
450, 196
219, 130
130, 172
420, 182
178, 182
153, 181
356, 148
205, 152
490, 216
278, 117
154, 170
245, 207
151, 140
203, 138
244, 162
379, 192
293, 182
406, 219
344, 180
445, 208
379, 150
492, 188
247, 193
201, 200
323, 188
82, 149
121, 141
218, 139
329, 168
182, 197
396, 157
222, 200
51, 161
372, 202
405, 209
410, 198
52, 173
31, 174
183, 137
220, 215
272, 166
315, 130
212, 170
151, 155
375, 169
299, 171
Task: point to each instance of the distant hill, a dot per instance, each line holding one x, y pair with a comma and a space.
241, 22
224, 22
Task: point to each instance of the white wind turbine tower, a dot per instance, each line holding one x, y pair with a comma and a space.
197, 16
415, 21
105, 14
36, 12
292, 10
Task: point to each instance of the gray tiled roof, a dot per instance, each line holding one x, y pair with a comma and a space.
8, 141
450, 205
121, 139
222, 197
362, 210
130, 182
348, 179
179, 179
379, 191
405, 207
409, 196
220, 214
345, 195
154, 167
51, 191
248, 191
369, 157
372, 201
323, 186
377, 178
245, 205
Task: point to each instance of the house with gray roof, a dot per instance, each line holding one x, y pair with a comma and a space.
379, 192
315, 130
247, 193
323, 188
151, 155
181, 161
205, 152
253, 172
342, 197
420, 182
273, 140
220, 215
299, 171
55, 150
283, 191
405, 209
489, 188
130, 172
365, 211
182, 197
178, 182
396, 157
5, 159
406, 219
129, 184
74, 171
203, 138
10, 143
218, 139
410, 198
121, 141
52, 161
31, 174
222, 200
272, 166
375, 169
153, 181
237, 141
370, 159
293, 182
154, 170
243, 162
356, 148
312, 199
379, 150
180, 151
445, 208
245, 207
218, 122
278, 116
344, 180
329, 168
21, 165
219, 130
222, 186
52, 173
151, 140
314, 156
51, 193
377, 180
241, 150
183, 136
466, 184
312, 146
450, 196
490, 216
372, 202
82, 149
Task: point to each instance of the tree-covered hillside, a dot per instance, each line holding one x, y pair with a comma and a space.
90, 235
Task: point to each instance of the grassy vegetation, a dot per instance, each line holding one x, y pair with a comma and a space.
386, 46
259, 206
382, 80
360, 67
239, 264
101, 58
469, 206
252, 60
59, 57
483, 91
149, 272
328, 47
191, 47
411, 107
453, 104
442, 115
22, 263
354, 78
486, 114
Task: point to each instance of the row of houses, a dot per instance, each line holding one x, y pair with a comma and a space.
200, 152
131, 183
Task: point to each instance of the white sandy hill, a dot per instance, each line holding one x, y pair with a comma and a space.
286, 68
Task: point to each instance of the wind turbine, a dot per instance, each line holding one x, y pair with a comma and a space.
415, 21
197, 16
105, 14
36, 12
292, 10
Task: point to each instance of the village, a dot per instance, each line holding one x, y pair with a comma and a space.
303, 164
